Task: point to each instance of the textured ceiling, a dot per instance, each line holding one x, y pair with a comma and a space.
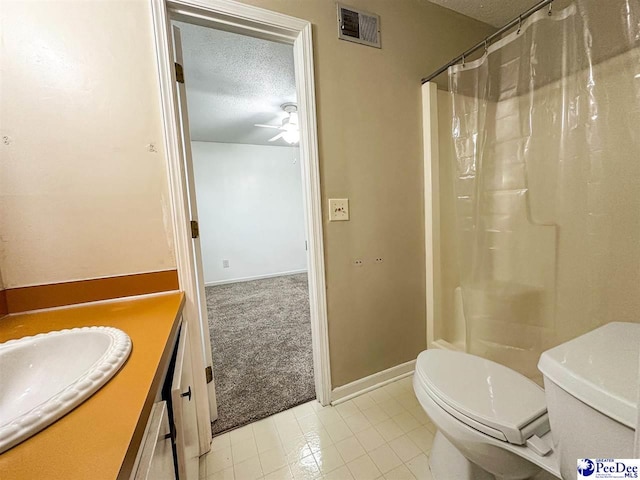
493, 12
233, 82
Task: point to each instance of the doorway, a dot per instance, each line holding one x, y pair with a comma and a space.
254, 22
243, 125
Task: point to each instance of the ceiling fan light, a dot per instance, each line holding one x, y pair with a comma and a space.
291, 136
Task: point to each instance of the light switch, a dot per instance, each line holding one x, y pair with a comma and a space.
338, 209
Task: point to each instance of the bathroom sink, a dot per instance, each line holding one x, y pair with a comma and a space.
46, 376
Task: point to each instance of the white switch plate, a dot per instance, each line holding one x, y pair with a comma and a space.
338, 209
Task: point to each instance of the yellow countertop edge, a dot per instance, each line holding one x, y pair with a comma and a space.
73, 447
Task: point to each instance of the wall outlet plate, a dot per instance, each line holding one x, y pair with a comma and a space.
338, 209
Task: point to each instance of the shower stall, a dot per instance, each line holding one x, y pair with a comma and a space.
532, 185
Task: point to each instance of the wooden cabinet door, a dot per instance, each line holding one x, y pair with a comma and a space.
184, 410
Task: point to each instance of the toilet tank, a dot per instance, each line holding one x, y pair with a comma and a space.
591, 389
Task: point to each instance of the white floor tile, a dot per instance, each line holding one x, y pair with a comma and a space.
341, 473
218, 460
266, 440
272, 460
249, 469
408, 401
375, 415
284, 416
431, 427
221, 441
303, 410
423, 438
379, 395
346, 409
338, 430
389, 430
391, 407
350, 449
363, 401
241, 434
363, 468
318, 440
420, 415
400, 473
266, 425
370, 439
310, 423
328, 459
328, 415
226, 474
305, 469
394, 389
283, 473
419, 466
406, 421
243, 450
385, 458
405, 448
406, 382
296, 449
289, 430
357, 422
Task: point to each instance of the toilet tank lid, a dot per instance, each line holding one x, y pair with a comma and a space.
600, 368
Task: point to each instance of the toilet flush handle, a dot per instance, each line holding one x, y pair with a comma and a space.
538, 445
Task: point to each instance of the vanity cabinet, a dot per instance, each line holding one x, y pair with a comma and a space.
156, 458
170, 448
184, 410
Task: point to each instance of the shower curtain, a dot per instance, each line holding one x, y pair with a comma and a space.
546, 127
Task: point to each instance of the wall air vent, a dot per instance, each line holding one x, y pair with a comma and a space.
358, 26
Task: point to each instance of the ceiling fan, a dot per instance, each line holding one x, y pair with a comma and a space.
290, 132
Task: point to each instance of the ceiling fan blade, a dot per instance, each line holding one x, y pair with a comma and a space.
276, 137
267, 126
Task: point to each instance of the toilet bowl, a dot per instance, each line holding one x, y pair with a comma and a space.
495, 423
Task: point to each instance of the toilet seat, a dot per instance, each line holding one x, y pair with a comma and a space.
484, 395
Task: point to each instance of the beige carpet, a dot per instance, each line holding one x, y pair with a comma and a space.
262, 357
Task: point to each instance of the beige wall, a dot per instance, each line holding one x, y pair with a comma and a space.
369, 121
85, 198
81, 196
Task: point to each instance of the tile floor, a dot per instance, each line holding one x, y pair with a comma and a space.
383, 434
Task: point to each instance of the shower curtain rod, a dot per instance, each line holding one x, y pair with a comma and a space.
487, 41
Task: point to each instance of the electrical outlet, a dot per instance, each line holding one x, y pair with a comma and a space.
338, 209
225, 263
358, 262
378, 260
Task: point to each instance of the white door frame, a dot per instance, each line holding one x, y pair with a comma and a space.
240, 18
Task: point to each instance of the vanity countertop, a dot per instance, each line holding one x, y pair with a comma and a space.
100, 438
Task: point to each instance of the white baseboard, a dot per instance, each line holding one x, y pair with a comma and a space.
257, 277
366, 384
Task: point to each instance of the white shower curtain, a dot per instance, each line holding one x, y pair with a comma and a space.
546, 128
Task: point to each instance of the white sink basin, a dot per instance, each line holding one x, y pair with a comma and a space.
46, 376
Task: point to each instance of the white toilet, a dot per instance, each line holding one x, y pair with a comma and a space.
495, 423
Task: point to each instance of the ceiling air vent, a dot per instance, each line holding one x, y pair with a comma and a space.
358, 26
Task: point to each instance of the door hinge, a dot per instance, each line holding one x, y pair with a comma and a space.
195, 229
208, 372
179, 73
